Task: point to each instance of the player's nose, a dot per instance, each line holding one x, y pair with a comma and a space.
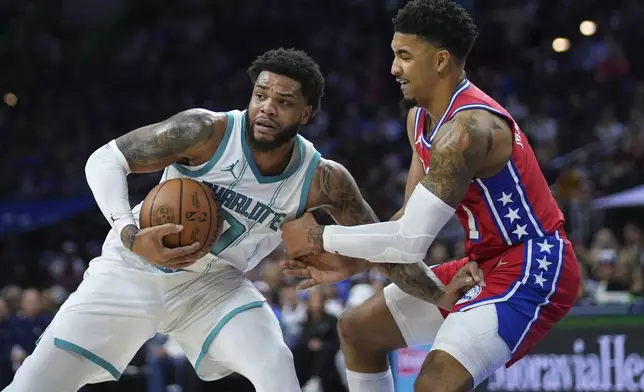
395, 69
268, 108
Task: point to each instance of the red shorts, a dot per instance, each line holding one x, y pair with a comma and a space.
532, 285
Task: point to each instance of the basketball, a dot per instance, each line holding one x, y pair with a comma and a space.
186, 202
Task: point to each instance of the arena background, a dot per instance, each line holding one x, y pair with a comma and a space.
75, 74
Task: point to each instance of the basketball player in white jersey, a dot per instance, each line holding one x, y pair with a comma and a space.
263, 173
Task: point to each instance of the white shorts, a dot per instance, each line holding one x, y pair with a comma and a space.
471, 337
117, 308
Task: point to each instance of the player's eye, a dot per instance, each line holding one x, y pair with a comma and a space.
259, 95
284, 102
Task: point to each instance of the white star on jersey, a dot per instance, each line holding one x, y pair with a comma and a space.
544, 246
543, 264
512, 214
505, 199
539, 279
520, 231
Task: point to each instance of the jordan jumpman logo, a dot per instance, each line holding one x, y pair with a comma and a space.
231, 169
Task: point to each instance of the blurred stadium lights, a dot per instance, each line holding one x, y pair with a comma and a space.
560, 45
10, 99
588, 27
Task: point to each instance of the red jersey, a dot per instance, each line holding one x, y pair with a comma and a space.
507, 209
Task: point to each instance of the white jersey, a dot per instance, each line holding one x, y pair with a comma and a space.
253, 206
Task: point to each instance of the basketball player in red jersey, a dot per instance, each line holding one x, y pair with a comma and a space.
470, 158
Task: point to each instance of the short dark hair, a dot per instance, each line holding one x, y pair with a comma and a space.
443, 23
295, 64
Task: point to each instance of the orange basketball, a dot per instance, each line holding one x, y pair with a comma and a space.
186, 202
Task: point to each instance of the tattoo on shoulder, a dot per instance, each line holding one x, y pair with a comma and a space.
459, 152
155, 146
338, 192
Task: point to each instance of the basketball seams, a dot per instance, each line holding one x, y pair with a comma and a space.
150, 222
208, 199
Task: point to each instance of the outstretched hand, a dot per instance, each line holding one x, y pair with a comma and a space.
323, 268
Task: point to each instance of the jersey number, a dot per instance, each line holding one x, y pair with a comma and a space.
231, 234
471, 223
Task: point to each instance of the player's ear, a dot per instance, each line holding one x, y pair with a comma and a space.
307, 115
441, 58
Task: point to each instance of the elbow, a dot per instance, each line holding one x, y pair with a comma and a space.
91, 163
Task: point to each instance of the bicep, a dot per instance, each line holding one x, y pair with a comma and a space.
154, 147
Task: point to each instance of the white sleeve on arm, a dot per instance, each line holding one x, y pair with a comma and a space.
402, 241
106, 171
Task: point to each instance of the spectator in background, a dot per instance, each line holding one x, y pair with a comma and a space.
293, 312
7, 336
31, 320
165, 358
315, 354
13, 295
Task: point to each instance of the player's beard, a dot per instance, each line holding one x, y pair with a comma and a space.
281, 138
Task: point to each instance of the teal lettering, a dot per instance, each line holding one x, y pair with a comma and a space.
227, 198
218, 191
257, 212
266, 214
244, 208
238, 203
277, 220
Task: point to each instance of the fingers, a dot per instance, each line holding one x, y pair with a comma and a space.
183, 251
298, 273
481, 280
306, 284
293, 264
191, 258
168, 228
476, 273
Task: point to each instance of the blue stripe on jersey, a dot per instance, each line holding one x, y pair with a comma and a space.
534, 219
527, 257
304, 196
494, 212
509, 206
519, 308
213, 161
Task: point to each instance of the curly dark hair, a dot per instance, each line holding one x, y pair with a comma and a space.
295, 64
443, 23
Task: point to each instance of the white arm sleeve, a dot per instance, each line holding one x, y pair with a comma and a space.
403, 241
106, 171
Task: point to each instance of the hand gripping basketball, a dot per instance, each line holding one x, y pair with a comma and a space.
148, 244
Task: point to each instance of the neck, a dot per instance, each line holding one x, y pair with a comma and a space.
274, 162
439, 99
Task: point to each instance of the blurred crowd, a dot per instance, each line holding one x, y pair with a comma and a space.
82, 73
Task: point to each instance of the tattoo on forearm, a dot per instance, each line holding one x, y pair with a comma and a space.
161, 144
128, 234
459, 150
339, 193
413, 280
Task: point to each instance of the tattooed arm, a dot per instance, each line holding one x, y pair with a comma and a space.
474, 143
189, 137
334, 189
